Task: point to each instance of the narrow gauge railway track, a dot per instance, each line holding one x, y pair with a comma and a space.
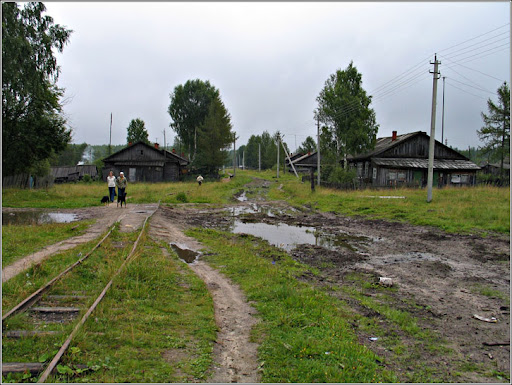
65, 312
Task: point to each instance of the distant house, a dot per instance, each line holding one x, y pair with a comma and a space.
142, 162
303, 163
403, 160
65, 174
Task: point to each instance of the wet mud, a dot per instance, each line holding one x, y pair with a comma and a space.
442, 279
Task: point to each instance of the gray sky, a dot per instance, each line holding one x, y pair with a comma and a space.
271, 60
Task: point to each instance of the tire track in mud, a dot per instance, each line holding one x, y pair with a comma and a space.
235, 357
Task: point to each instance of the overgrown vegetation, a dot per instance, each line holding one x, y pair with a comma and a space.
156, 323
21, 240
304, 334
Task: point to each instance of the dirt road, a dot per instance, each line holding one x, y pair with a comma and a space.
445, 280
450, 283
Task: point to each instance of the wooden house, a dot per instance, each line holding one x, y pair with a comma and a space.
65, 174
142, 162
303, 163
403, 160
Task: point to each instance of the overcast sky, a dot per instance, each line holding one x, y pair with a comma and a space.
271, 60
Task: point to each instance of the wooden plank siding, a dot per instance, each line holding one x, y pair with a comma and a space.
403, 161
141, 162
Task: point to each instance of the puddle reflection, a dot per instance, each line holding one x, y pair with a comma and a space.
36, 217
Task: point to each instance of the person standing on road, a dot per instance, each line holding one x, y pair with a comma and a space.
199, 180
121, 183
111, 182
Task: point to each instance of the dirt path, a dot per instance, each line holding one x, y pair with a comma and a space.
131, 218
442, 279
235, 356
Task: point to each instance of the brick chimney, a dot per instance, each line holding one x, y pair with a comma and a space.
174, 151
157, 145
393, 137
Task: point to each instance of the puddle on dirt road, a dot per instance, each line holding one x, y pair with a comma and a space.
289, 237
185, 254
36, 217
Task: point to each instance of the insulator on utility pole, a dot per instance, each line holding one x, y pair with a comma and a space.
431, 147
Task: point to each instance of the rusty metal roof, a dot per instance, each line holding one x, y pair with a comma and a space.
439, 164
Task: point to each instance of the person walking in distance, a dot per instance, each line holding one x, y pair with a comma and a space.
121, 183
111, 183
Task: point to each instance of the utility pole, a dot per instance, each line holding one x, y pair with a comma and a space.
243, 161
318, 148
430, 175
278, 140
234, 153
289, 159
442, 124
164, 138
259, 156
110, 140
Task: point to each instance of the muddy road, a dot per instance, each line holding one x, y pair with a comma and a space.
450, 283
456, 286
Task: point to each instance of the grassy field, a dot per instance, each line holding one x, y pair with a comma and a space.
466, 209
21, 240
156, 323
304, 334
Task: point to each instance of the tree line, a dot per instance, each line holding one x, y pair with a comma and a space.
34, 125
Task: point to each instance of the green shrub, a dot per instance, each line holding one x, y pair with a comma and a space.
87, 178
182, 197
340, 175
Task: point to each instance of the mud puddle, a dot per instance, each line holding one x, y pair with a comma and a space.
37, 217
185, 254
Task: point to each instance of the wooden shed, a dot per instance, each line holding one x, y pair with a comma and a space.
403, 160
65, 174
142, 162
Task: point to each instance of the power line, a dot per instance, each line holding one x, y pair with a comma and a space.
451, 55
452, 69
473, 38
477, 96
472, 69
476, 88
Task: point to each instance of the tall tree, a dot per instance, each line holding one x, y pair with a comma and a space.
496, 132
252, 151
344, 109
309, 145
33, 127
214, 138
137, 132
189, 108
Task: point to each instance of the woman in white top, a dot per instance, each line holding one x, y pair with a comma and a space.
111, 181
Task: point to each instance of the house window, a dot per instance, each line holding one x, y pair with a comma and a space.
401, 176
392, 175
455, 178
360, 169
142, 152
375, 173
464, 178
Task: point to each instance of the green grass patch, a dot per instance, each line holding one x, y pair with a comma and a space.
462, 210
77, 195
303, 333
156, 323
21, 240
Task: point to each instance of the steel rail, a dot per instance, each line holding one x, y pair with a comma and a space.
66, 344
27, 302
